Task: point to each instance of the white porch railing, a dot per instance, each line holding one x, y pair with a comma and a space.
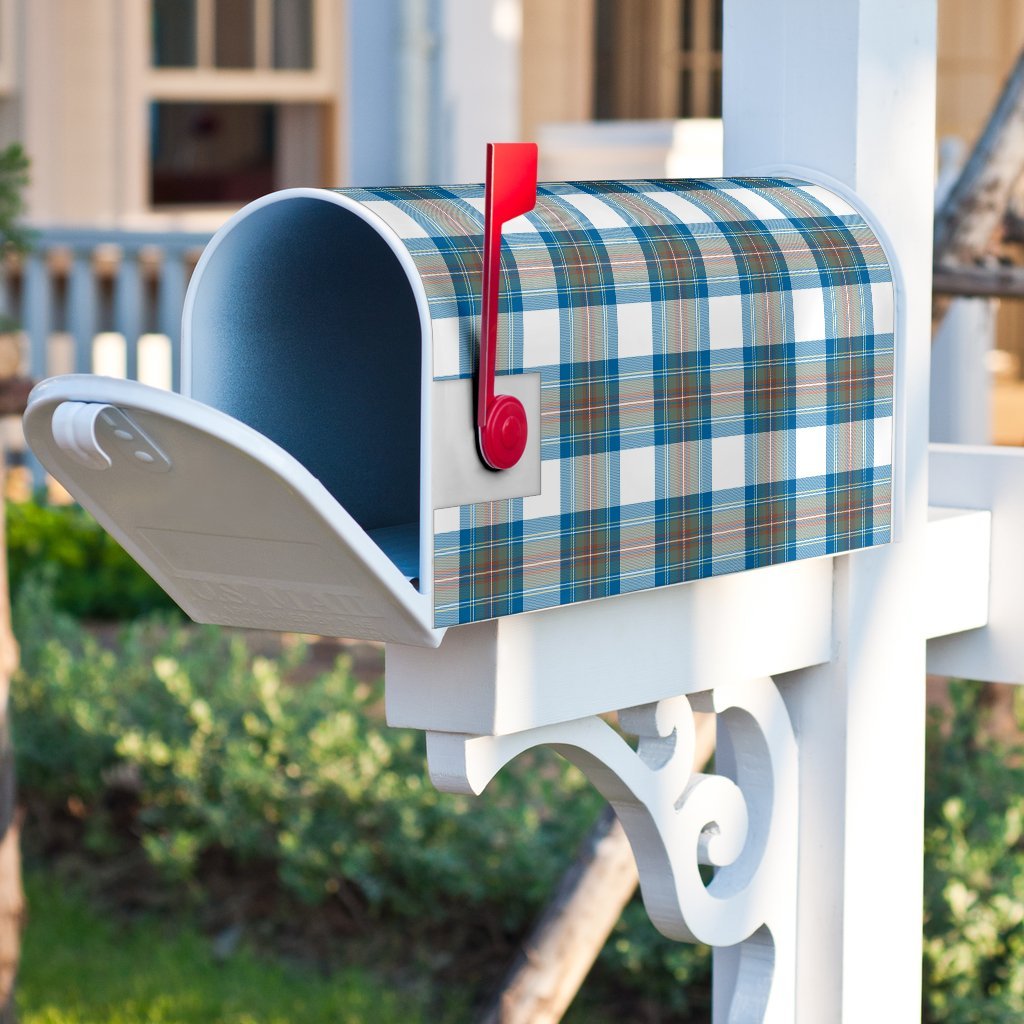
102, 301
99, 301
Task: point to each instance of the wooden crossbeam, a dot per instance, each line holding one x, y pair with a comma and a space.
1001, 281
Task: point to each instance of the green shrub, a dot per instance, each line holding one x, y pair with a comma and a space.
974, 869
91, 575
14, 165
226, 755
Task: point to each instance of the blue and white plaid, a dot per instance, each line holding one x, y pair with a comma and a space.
716, 361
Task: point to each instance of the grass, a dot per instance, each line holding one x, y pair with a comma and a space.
80, 968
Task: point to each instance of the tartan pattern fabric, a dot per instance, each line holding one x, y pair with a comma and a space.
716, 361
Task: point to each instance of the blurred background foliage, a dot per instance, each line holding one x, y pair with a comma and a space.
179, 765
167, 767
89, 574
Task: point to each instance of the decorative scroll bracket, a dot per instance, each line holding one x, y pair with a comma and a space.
743, 822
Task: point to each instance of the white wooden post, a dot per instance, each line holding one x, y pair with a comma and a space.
849, 89
479, 87
961, 381
960, 405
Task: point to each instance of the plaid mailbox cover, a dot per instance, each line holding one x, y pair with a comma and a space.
716, 361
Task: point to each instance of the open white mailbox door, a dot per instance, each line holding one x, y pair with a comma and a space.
231, 526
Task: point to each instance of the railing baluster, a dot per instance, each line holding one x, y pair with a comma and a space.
131, 313
128, 308
82, 308
169, 305
37, 298
36, 312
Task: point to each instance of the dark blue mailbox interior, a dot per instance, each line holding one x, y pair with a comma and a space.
304, 326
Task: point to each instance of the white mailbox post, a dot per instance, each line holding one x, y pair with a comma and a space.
707, 406
850, 88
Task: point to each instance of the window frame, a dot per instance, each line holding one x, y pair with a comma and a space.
8, 49
650, 58
262, 83
144, 85
702, 60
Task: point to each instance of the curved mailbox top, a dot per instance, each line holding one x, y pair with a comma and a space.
716, 363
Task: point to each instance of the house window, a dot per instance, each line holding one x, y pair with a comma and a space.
212, 152
293, 34
233, 34
658, 58
242, 96
227, 154
700, 59
174, 33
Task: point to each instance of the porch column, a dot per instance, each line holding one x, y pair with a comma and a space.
848, 89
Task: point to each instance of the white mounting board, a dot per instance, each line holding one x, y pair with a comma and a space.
955, 592
523, 671
967, 476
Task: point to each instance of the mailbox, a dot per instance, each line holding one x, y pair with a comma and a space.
705, 369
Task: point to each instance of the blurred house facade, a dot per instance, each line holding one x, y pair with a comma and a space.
171, 113
150, 121
168, 113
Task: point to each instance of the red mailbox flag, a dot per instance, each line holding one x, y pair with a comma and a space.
510, 192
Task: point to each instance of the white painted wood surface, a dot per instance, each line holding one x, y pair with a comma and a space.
849, 88
478, 81
955, 587
677, 820
685, 148
986, 478
562, 946
960, 409
524, 671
